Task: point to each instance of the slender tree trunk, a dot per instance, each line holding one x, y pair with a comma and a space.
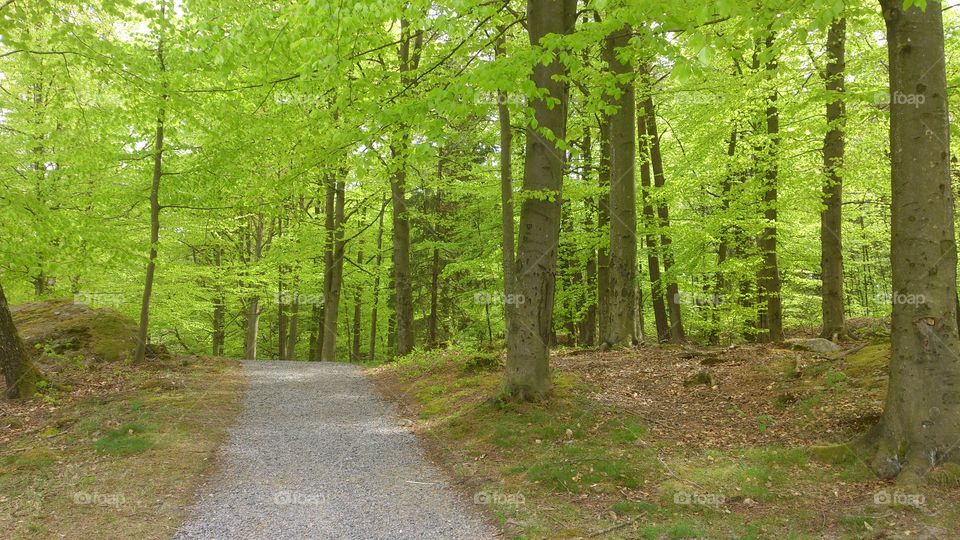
219, 310
357, 314
663, 221
18, 372
588, 326
331, 301
831, 222
506, 191
622, 277
252, 328
527, 369
920, 425
653, 259
293, 322
771, 310
603, 228
281, 318
434, 293
403, 287
376, 291
143, 330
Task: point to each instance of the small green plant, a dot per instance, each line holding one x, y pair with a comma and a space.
835, 378
764, 422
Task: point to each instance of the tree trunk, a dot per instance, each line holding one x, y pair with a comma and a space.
281, 319
831, 222
622, 276
18, 372
527, 368
653, 259
506, 192
252, 328
292, 325
663, 222
142, 330
603, 228
376, 290
920, 425
403, 287
219, 311
587, 334
768, 279
331, 300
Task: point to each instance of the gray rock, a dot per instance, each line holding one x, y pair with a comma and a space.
817, 345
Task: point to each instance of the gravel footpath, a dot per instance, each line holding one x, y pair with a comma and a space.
316, 453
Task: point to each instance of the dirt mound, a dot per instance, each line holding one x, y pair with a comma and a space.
61, 327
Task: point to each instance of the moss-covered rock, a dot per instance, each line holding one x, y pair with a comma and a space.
66, 328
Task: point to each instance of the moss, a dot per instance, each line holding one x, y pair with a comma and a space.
125, 440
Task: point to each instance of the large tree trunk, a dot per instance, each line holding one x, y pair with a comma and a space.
663, 221
653, 259
622, 274
920, 426
403, 286
527, 371
831, 246
18, 372
768, 278
331, 299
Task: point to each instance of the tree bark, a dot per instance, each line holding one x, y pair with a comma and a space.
18, 372
372, 353
506, 191
219, 310
768, 278
293, 321
676, 332
650, 221
603, 227
527, 368
587, 334
403, 287
331, 300
831, 219
622, 274
142, 331
920, 426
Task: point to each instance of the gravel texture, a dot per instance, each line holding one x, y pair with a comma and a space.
316, 453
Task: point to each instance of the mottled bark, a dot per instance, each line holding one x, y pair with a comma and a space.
768, 278
650, 223
920, 426
831, 219
334, 280
18, 372
622, 276
527, 368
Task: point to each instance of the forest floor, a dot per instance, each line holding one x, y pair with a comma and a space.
107, 448
670, 442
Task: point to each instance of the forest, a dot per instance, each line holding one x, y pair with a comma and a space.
525, 190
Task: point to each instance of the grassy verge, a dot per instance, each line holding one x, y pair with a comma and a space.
118, 453
583, 465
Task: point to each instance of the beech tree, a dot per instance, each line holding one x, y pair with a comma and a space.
920, 426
